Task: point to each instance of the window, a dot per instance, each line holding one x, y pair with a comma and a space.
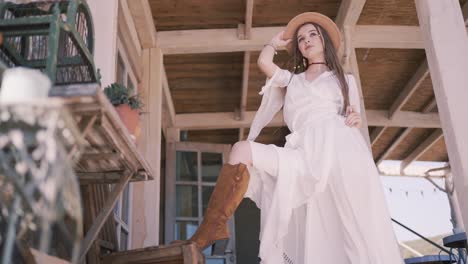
194, 170
122, 214
123, 72
122, 210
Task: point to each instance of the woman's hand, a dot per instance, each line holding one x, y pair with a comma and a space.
278, 40
353, 118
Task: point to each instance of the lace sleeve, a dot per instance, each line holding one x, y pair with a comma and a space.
280, 79
272, 101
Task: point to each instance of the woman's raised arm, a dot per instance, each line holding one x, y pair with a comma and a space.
265, 60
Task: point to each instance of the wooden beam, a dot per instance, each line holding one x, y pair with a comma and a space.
403, 119
245, 87
249, 4
402, 135
355, 70
225, 120
201, 40
241, 133
410, 88
154, 151
389, 37
173, 135
422, 148
430, 106
143, 21
101, 156
153, 154
393, 145
99, 177
167, 97
143, 89
155, 100
133, 50
444, 33
124, 12
375, 134
349, 12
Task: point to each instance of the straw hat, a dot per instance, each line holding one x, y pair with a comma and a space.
322, 20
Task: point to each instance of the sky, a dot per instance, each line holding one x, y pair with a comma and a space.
415, 202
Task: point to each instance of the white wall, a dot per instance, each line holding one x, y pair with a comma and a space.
104, 14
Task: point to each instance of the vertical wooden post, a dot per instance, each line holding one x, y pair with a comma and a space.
153, 151
446, 44
139, 231
354, 69
145, 228
172, 136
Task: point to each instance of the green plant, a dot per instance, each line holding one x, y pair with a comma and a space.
119, 94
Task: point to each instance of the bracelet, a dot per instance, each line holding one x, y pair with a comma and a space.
271, 45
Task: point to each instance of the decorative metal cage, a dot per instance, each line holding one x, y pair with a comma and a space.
54, 36
40, 205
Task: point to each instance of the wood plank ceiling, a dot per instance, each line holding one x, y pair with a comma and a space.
392, 79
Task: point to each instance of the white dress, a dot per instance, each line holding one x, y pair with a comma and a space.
320, 196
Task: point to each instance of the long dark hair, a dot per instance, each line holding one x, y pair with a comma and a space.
298, 64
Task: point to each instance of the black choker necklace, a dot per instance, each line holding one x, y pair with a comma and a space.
318, 63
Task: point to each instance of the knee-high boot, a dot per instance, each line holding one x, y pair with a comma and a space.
229, 191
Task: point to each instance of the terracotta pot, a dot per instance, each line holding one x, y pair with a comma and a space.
130, 118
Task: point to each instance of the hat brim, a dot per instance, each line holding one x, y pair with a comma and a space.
314, 17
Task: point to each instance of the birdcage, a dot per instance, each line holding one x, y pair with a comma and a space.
40, 204
54, 36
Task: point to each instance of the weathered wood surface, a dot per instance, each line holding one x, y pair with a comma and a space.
171, 254
109, 148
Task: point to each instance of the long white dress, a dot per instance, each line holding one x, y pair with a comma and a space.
320, 196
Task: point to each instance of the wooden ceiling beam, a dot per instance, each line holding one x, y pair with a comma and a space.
167, 98
126, 17
249, 4
129, 40
143, 19
245, 87
410, 88
376, 134
405, 133
201, 40
430, 106
346, 20
388, 37
226, 120
403, 119
349, 12
422, 148
394, 145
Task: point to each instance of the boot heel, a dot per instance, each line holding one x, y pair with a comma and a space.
219, 247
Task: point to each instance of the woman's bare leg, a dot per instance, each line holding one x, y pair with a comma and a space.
241, 153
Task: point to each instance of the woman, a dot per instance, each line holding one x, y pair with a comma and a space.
320, 196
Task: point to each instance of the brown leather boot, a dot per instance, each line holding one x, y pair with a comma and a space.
228, 193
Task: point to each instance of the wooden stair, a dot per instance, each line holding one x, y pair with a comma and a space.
168, 254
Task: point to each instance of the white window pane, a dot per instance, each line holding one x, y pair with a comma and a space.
123, 239
125, 203
186, 201
184, 230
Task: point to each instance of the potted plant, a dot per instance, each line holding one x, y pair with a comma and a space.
128, 106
